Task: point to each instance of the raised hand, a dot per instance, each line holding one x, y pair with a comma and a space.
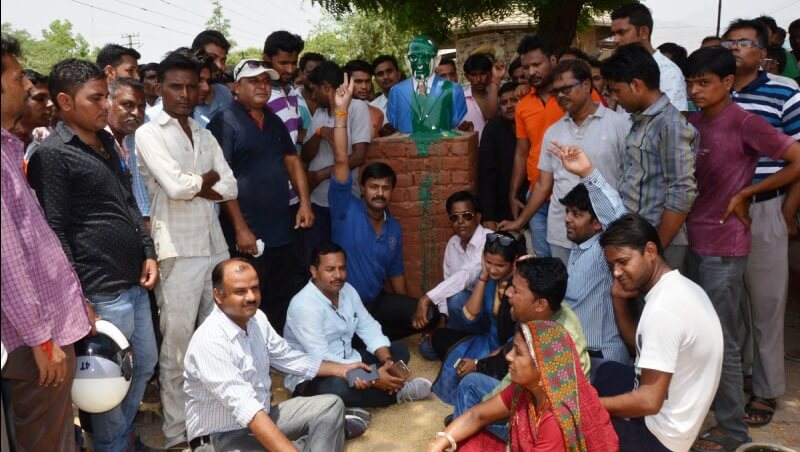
572, 157
498, 71
344, 93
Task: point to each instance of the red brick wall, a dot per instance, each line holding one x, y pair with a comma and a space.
418, 201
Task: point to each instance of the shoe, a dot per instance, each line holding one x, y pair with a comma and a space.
448, 419
360, 412
416, 389
354, 426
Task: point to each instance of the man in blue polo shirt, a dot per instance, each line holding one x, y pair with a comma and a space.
262, 156
369, 234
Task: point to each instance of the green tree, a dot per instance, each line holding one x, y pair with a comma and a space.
557, 19
237, 55
220, 23
357, 34
57, 43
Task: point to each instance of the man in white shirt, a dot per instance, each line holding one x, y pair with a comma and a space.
633, 23
322, 321
186, 175
462, 266
227, 383
678, 344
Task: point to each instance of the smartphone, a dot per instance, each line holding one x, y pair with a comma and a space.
372, 375
400, 369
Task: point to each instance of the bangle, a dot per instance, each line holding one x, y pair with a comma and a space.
449, 439
341, 112
339, 127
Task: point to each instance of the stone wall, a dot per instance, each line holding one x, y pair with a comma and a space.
424, 181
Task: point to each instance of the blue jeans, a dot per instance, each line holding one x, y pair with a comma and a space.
722, 278
130, 312
538, 228
471, 391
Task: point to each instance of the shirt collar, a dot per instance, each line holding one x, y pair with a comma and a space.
655, 109
164, 118
760, 80
67, 135
598, 113
478, 237
230, 328
589, 243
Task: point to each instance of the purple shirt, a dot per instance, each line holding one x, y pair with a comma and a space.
40, 292
730, 145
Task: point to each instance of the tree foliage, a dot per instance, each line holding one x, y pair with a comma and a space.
219, 22
57, 43
237, 55
357, 34
556, 19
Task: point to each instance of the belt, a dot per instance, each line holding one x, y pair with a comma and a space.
768, 195
199, 441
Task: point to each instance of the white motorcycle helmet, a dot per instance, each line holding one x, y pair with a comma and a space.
103, 369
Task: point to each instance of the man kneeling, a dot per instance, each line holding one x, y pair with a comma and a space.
321, 321
227, 380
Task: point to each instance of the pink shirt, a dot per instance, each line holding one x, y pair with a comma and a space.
730, 144
40, 292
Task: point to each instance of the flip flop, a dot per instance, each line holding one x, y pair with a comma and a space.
759, 417
728, 443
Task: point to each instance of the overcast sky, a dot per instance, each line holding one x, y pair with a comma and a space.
163, 25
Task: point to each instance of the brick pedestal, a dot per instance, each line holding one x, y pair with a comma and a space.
424, 181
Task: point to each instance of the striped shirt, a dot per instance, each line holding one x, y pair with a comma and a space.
779, 105
226, 376
40, 292
285, 105
658, 166
589, 284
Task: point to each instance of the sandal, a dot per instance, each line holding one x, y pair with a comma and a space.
759, 417
721, 441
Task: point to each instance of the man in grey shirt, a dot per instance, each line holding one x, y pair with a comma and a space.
595, 128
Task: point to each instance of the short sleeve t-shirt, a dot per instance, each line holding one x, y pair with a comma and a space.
255, 156
371, 258
679, 333
359, 130
730, 146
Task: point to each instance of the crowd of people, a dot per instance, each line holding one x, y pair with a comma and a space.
224, 220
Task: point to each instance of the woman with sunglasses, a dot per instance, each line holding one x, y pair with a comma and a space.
487, 310
550, 406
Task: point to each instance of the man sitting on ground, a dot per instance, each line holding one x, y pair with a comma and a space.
322, 320
227, 384
678, 344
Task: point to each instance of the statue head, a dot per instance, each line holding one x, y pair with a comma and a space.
422, 57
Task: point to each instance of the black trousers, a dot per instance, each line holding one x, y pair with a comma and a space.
353, 397
634, 436
395, 313
280, 277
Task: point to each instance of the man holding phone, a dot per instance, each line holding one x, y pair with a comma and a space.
322, 321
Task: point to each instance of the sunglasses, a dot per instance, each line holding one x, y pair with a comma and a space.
503, 239
564, 90
466, 216
252, 64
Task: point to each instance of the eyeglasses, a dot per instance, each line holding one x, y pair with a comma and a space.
252, 64
503, 239
466, 216
564, 90
740, 43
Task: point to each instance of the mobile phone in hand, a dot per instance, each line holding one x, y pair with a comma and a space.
400, 369
353, 374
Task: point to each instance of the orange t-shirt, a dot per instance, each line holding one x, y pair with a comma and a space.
533, 117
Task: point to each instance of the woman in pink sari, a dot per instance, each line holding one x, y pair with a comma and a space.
551, 406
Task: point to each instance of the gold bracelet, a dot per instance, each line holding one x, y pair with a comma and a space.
341, 113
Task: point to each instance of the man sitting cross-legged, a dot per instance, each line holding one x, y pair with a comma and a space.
227, 383
322, 320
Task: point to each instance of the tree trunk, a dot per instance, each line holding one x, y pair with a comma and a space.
558, 21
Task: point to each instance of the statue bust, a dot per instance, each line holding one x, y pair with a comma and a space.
425, 102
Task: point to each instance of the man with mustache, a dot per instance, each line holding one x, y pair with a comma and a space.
186, 175
262, 156
85, 191
125, 115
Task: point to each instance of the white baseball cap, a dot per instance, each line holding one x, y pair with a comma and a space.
251, 68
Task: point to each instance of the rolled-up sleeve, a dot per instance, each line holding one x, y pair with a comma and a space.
154, 159
677, 149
